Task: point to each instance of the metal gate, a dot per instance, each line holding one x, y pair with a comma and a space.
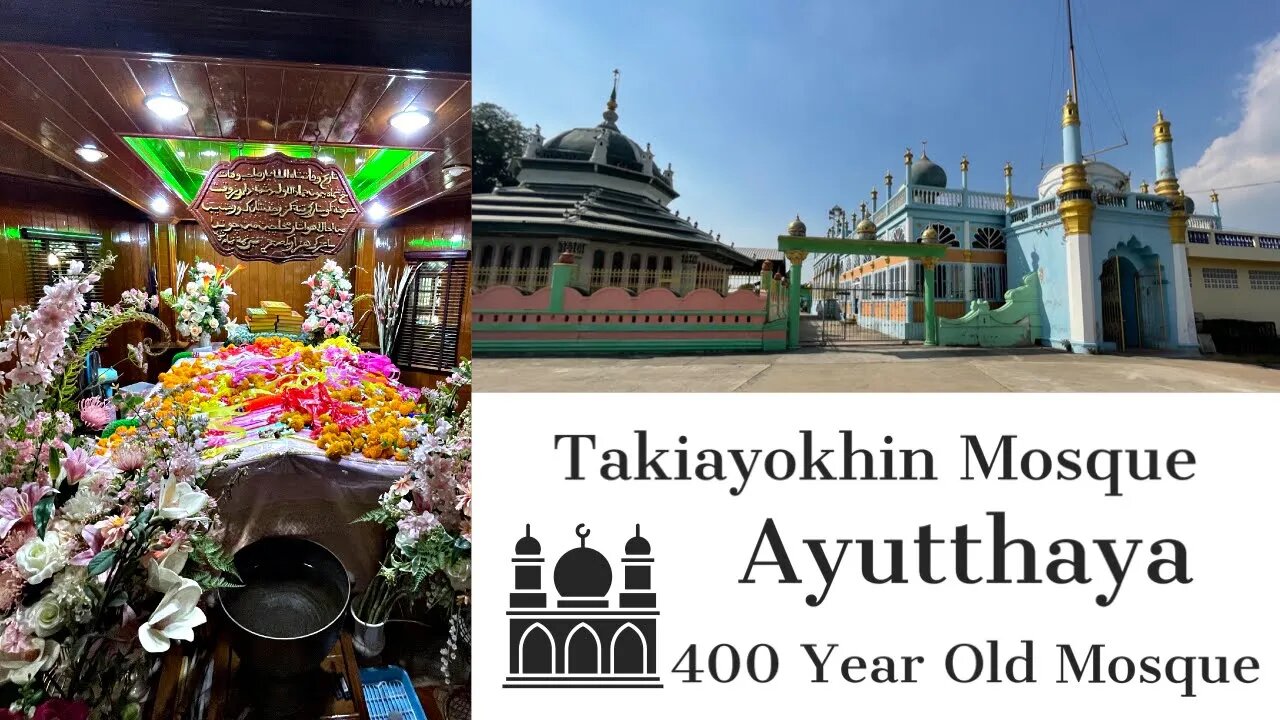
850, 315
1133, 311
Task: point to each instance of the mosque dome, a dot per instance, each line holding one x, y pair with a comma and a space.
927, 173
797, 227
1100, 175
579, 143
1189, 205
638, 545
528, 545
583, 572
865, 227
930, 235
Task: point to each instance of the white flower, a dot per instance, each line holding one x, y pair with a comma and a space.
178, 500
39, 559
19, 670
46, 617
174, 618
163, 575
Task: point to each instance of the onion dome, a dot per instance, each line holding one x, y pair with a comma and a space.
583, 572
930, 235
1189, 205
528, 545
866, 230
797, 228
927, 173
638, 545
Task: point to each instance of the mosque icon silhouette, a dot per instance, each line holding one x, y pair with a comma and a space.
582, 642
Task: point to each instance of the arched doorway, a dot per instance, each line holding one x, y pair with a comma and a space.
629, 651
1132, 289
537, 651
582, 651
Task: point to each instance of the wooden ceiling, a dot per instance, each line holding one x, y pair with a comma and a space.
58, 99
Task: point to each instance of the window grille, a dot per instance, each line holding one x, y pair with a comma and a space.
1264, 279
43, 245
1220, 279
432, 316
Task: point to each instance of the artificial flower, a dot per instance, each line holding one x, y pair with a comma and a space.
39, 558
175, 618
95, 413
178, 500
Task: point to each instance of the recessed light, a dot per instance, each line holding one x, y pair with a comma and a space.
326, 159
166, 106
208, 153
454, 171
410, 120
90, 153
160, 205
376, 210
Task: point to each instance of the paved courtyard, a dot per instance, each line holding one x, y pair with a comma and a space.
876, 368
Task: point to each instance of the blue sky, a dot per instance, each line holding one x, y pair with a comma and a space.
766, 108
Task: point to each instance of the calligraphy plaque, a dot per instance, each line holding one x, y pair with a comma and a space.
276, 208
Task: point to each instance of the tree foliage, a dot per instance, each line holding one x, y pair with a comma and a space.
497, 138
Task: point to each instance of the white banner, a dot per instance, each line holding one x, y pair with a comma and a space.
874, 556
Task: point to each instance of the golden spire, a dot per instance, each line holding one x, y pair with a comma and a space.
1144, 187
1160, 130
1008, 169
964, 163
1213, 196
1070, 111
907, 157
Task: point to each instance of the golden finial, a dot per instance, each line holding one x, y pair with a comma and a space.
1008, 169
907, 157
1144, 187
1213, 196
1070, 111
1160, 131
797, 228
930, 235
888, 179
875, 193
964, 163
613, 96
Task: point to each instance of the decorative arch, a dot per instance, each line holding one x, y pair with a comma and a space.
544, 257
626, 658
988, 238
486, 255
537, 653
946, 236
580, 658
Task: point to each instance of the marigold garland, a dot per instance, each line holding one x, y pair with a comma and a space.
347, 400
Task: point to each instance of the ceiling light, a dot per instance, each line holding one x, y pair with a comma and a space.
209, 153
160, 205
455, 170
376, 210
166, 106
90, 153
326, 159
410, 120
359, 161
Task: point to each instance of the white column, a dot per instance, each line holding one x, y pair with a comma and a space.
1080, 294
1183, 313
967, 243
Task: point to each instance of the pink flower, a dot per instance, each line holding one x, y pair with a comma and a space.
96, 413
17, 506
93, 540
11, 585
76, 465
128, 457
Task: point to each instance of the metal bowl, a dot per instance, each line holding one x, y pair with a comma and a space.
289, 613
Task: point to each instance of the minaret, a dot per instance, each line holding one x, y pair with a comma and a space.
637, 581
964, 173
528, 562
1075, 207
1167, 187
875, 204
1008, 185
907, 157
1213, 199
888, 185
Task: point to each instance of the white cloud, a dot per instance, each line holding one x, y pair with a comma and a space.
1248, 154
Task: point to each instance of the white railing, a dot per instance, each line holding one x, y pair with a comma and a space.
985, 201
525, 278
1203, 222
1232, 238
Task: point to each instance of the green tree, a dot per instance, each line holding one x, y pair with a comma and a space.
497, 138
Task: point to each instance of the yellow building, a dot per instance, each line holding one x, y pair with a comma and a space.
1235, 274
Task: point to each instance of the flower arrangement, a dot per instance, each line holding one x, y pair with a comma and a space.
344, 400
389, 291
105, 549
429, 511
201, 306
329, 311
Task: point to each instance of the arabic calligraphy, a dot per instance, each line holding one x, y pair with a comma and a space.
276, 208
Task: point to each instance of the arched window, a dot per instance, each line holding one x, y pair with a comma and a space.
652, 263
544, 257
597, 260
537, 651
945, 235
666, 264
617, 261
504, 260
635, 261
526, 256
988, 238
629, 652
582, 651
486, 256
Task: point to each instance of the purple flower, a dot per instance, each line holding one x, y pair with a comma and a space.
17, 506
96, 413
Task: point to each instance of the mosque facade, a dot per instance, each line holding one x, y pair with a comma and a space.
583, 639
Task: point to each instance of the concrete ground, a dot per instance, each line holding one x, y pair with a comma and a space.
876, 368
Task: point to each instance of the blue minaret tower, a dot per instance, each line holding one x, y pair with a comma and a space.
1167, 187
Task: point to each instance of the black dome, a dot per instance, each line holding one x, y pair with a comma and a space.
638, 545
528, 545
928, 173
578, 144
583, 573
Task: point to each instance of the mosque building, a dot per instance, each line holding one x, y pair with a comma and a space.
1114, 267
592, 196
581, 641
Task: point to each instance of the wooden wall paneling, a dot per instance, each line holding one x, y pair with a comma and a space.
226, 82
263, 89
327, 100
192, 81
364, 95
295, 103
402, 93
